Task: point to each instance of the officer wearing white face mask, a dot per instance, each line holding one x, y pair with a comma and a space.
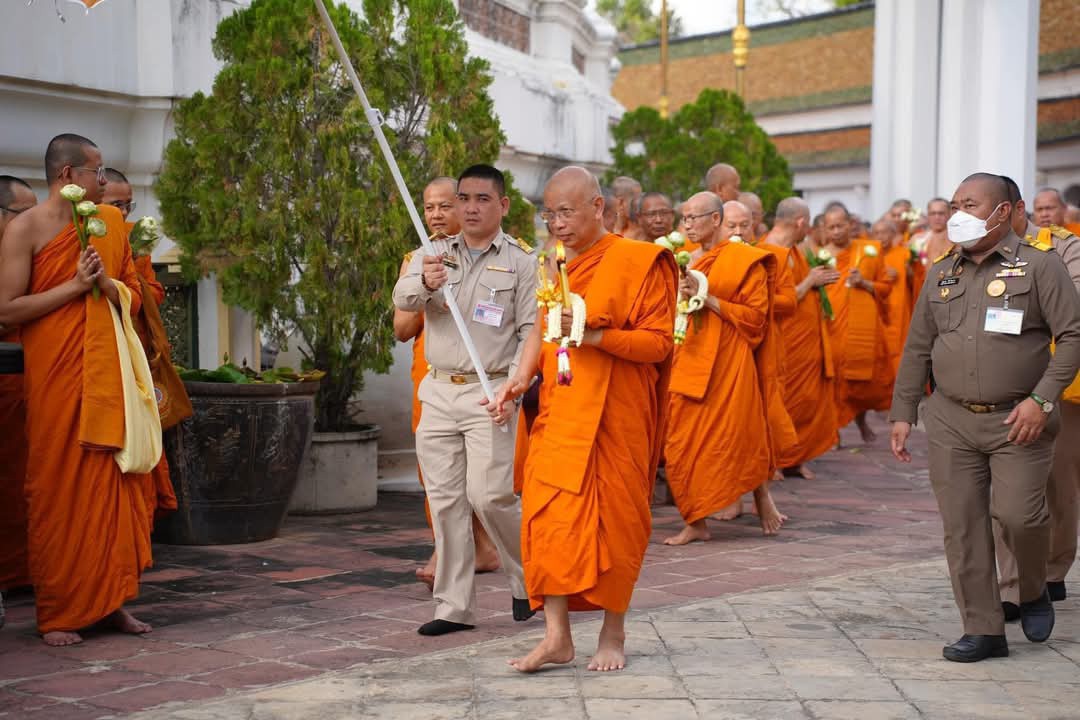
983, 325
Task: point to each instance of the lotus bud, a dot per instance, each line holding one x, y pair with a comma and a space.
676, 239
74, 193
683, 258
86, 208
96, 227
870, 251
664, 243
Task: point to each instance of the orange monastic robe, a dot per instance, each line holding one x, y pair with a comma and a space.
595, 444
718, 444
1074, 228
857, 335
785, 441
899, 303
808, 370
161, 497
88, 524
417, 372
13, 567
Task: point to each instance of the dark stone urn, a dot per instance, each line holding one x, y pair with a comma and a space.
235, 463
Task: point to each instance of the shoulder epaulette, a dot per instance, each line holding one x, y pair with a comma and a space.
1038, 244
944, 255
409, 256
523, 245
1060, 232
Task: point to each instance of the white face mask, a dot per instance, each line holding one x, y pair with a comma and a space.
965, 229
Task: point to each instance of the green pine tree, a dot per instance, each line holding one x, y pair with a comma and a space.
673, 155
275, 180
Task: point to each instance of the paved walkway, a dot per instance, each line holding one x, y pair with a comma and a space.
862, 646
337, 593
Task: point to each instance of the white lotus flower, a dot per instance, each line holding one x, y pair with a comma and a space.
86, 208
74, 193
96, 227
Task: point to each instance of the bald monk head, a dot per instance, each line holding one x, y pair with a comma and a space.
723, 179
656, 215
896, 214
118, 192
574, 209
702, 215
792, 222
440, 207
885, 232
627, 190
985, 196
74, 160
836, 227
737, 222
1048, 208
937, 214
1019, 218
611, 210
757, 212
15, 197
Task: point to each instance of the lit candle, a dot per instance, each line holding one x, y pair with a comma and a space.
560, 262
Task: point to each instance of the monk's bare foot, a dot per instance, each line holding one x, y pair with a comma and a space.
806, 472
426, 574
610, 654
778, 475
731, 512
487, 556
868, 435
61, 639
125, 622
691, 533
548, 652
771, 518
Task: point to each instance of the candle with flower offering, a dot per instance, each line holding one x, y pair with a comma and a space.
564, 279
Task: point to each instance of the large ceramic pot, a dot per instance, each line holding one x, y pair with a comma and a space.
235, 463
340, 473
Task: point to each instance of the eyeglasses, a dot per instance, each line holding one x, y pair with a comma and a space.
99, 171
13, 211
691, 219
657, 214
128, 207
563, 213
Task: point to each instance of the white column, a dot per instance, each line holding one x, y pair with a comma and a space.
989, 77
904, 133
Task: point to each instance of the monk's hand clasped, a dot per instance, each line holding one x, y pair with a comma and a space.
434, 274
855, 279
1028, 421
821, 275
89, 269
688, 286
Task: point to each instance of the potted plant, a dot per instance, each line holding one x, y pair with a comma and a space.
277, 171
236, 461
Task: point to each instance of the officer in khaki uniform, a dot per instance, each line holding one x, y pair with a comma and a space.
467, 461
983, 324
1063, 489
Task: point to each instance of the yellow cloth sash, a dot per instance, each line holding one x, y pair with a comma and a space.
142, 424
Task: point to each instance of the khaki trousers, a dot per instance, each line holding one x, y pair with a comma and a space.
969, 454
468, 465
1062, 498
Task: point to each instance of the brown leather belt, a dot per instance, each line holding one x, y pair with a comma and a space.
461, 378
981, 408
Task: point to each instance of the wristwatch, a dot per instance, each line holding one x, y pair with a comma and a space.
1046, 406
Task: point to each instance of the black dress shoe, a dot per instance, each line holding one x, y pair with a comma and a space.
442, 627
1011, 610
1056, 588
1037, 618
973, 648
522, 610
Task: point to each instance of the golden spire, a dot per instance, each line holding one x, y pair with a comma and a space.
740, 50
663, 60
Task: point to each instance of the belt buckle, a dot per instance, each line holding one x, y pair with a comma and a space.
458, 379
980, 408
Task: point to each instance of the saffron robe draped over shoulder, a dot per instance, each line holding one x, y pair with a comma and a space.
88, 524
719, 442
809, 374
857, 334
13, 563
595, 444
899, 304
786, 444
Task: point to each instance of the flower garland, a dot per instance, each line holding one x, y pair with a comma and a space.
555, 299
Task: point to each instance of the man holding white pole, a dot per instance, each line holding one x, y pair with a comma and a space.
467, 460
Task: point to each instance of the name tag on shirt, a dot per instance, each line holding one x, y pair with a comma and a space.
488, 313
999, 320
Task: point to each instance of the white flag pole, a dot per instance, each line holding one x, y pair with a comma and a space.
375, 119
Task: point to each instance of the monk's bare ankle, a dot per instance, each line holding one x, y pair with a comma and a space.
61, 639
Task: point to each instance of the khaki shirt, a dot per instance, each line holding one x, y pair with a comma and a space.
1065, 244
971, 364
504, 275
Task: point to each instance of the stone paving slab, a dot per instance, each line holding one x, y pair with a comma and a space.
806, 666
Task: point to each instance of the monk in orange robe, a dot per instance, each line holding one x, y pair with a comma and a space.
161, 496
931, 244
16, 197
595, 444
752, 202
440, 216
857, 331
723, 377
88, 526
809, 392
897, 259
